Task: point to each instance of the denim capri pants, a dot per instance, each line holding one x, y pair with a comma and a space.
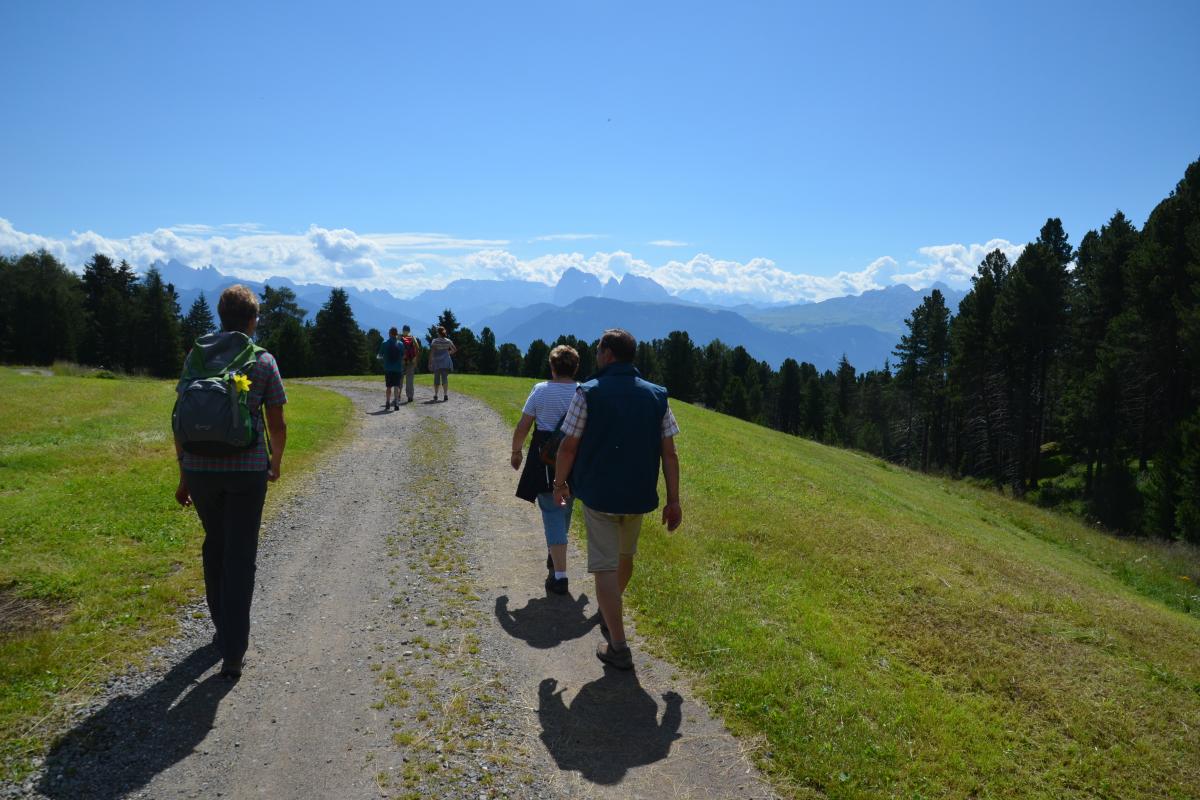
556, 519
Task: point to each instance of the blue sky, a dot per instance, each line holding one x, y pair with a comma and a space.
767, 140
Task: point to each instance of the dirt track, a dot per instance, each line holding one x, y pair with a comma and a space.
402, 645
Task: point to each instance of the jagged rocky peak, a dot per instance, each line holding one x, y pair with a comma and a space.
574, 284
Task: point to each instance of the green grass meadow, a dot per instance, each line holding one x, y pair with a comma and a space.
95, 555
880, 633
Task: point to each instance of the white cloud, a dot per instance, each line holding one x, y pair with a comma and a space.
667, 243
567, 237
407, 263
952, 264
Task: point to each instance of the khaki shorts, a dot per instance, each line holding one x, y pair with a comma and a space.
610, 536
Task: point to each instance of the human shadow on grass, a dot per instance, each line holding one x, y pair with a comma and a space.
546, 622
122, 746
610, 727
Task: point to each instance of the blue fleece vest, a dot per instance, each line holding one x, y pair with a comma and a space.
616, 466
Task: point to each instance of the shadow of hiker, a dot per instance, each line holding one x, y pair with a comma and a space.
122, 746
546, 622
610, 727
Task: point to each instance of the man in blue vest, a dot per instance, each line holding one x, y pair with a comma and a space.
617, 432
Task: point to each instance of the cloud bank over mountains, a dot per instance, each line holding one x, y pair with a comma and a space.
408, 263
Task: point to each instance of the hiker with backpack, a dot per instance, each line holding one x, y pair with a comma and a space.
546, 406
412, 351
391, 353
227, 454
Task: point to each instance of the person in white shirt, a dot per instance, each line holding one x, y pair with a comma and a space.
545, 408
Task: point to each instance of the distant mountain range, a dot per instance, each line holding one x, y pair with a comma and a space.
865, 328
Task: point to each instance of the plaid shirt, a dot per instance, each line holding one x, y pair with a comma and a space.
266, 388
576, 418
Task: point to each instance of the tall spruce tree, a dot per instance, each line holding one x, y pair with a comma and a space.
157, 343
678, 366
274, 308
198, 322
339, 346
108, 303
489, 358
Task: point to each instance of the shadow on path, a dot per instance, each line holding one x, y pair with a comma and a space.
610, 727
121, 747
546, 622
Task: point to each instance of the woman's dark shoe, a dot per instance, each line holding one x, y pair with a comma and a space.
618, 659
556, 585
231, 668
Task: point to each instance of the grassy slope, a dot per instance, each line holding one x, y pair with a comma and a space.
893, 634
89, 527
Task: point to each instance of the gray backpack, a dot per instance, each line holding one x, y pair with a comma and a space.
211, 416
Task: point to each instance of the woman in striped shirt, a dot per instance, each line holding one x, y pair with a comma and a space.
546, 406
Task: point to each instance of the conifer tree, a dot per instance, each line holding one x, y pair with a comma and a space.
157, 341
489, 358
198, 322
339, 346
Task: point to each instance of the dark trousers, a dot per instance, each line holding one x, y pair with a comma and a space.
230, 508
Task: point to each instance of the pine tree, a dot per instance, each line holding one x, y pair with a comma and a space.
508, 359
41, 310
467, 357
489, 358
339, 346
787, 412
678, 366
291, 344
157, 344
374, 339
198, 322
975, 371
734, 401
274, 308
445, 320
108, 303
646, 361
536, 364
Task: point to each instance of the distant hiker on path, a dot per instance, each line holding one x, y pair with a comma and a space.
412, 351
617, 431
227, 481
391, 353
440, 350
547, 404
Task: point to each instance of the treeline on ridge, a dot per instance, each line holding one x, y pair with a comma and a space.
1070, 376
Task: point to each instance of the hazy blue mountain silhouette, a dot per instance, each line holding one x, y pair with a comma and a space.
588, 316
866, 328
882, 309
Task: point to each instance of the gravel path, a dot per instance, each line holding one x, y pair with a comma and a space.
402, 645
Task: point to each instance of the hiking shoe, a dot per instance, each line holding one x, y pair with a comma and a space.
617, 659
231, 668
556, 585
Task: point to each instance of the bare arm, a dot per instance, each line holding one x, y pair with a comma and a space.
562, 468
672, 511
277, 428
518, 440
